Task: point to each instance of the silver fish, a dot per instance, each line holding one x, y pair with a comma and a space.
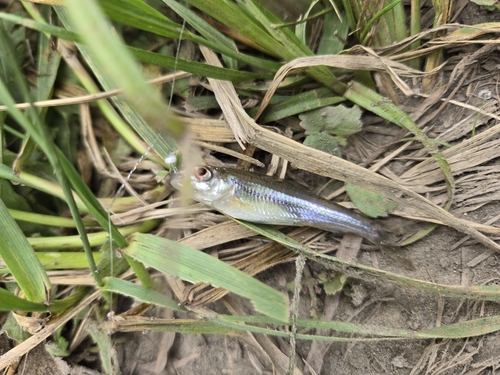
269, 200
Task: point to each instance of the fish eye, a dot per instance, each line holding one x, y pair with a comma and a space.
202, 173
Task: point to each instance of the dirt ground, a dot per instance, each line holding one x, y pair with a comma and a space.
375, 303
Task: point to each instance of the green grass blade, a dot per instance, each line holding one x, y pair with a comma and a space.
105, 107
50, 220
143, 16
40, 26
108, 111
350, 14
397, 14
138, 14
65, 260
95, 239
471, 328
70, 301
195, 266
230, 14
140, 293
90, 201
200, 25
476, 327
255, 24
12, 303
48, 64
8, 60
21, 260
36, 182
207, 31
374, 19
225, 324
294, 47
195, 67
299, 103
62, 260
158, 25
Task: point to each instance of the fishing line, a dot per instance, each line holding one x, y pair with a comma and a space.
171, 159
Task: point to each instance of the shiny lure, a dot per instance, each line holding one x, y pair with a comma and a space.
269, 200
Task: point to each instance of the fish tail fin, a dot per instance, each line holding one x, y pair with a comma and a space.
382, 237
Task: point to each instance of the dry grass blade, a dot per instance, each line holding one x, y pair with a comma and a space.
235, 115
209, 130
216, 235
235, 154
465, 155
460, 36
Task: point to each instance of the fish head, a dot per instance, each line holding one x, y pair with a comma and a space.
203, 184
